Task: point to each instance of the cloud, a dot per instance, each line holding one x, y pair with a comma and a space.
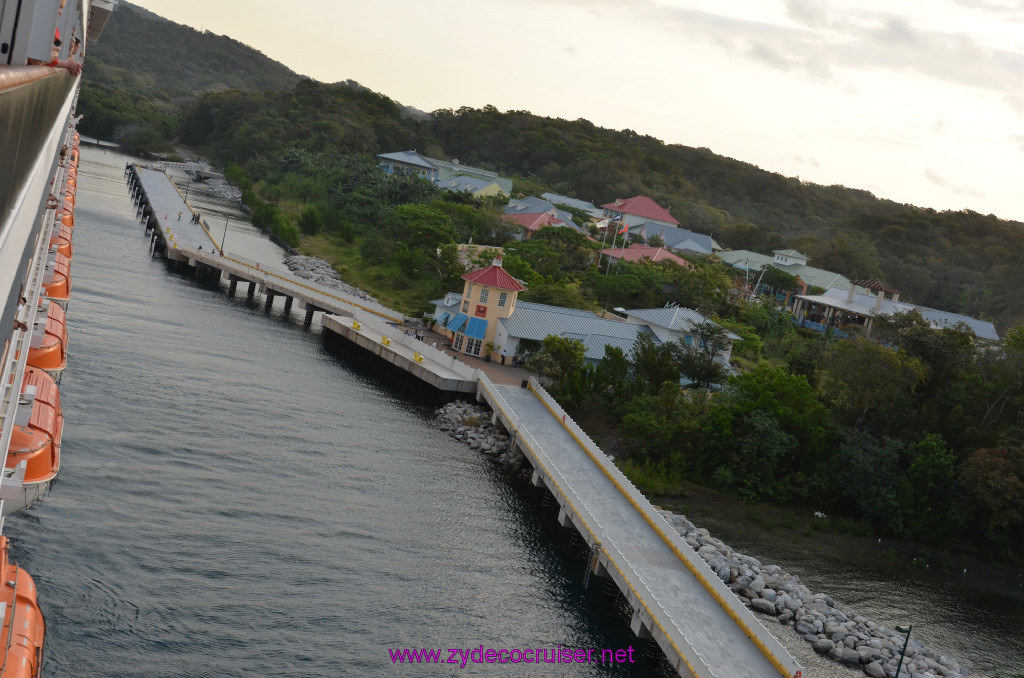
808, 12
941, 182
1019, 140
812, 161
767, 55
823, 38
997, 6
569, 49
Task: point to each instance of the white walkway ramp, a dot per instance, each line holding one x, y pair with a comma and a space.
681, 603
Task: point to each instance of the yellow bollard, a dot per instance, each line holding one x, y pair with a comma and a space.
356, 324
417, 357
385, 341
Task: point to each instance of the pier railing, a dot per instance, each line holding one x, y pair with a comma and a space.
769, 646
598, 539
435, 355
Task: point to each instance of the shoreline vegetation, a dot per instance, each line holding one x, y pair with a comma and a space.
917, 435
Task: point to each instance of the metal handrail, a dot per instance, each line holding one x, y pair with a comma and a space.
13, 371
766, 643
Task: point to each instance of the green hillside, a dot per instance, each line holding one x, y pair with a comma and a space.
151, 82
145, 68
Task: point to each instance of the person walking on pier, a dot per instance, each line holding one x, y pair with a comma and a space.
503, 354
179, 215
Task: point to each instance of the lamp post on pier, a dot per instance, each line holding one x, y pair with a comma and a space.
224, 235
187, 184
906, 630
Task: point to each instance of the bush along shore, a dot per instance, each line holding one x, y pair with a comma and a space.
832, 629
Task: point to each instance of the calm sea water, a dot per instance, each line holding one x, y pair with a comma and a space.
233, 501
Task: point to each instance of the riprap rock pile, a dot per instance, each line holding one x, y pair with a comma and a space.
472, 424
832, 629
322, 273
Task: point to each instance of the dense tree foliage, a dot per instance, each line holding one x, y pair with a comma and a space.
919, 436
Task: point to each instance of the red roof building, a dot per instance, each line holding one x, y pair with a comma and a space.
639, 252
532, 222
637, 210
494, 276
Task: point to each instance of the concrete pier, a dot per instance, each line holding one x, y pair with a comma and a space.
677, 601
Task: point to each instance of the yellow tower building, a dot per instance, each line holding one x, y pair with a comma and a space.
489, 295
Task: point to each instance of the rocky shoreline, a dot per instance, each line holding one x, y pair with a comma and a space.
472, 425
832, 629
322, 273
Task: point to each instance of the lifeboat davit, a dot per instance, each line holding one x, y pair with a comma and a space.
23, 628
62, 241
33, 457
48, 349
57, 281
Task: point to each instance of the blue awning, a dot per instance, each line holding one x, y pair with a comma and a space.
477, 328
456, 323
442, 318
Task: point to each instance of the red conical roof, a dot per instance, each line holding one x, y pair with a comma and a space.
494, 276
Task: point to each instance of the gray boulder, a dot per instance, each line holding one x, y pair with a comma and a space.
803, 627
823, 646
851, 657
763, 606
875, 670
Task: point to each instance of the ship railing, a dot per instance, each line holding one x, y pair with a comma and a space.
13, 370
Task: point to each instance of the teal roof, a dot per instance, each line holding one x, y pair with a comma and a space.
815, 277
675, 319
537, 321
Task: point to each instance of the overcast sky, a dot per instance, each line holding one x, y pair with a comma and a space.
920, 101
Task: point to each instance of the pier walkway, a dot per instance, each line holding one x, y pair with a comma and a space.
158, 203
700, 625
677, 600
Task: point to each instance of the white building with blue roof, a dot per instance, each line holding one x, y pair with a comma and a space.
843, 309
677, 239
590, 208
534, 205
440, 171
531, 321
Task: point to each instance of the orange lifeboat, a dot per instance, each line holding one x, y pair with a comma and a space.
49, 347
33, 457
57, 282
23, 625
62, 241
68, 218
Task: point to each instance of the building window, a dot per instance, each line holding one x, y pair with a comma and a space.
469, 290
458, 341
465, 306
502, 298
472, 347
484, 295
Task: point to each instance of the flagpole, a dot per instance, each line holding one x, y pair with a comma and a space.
604, 239
608, 266
625, 239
